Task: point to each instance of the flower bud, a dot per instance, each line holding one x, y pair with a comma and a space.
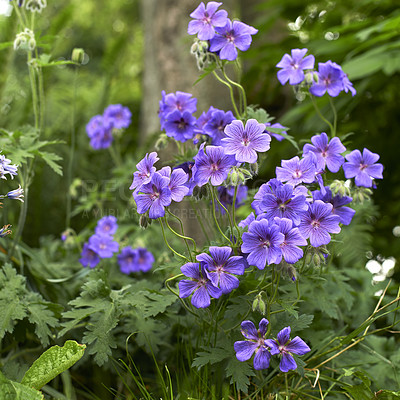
316, 259
78, 55
308, 258
194, 49
259, 304
200, 192
161, 142
254, 168
144, 221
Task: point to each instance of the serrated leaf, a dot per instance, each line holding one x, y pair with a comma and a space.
50, 159
43, 318
52, 362
239, 372
210, 356
99, 335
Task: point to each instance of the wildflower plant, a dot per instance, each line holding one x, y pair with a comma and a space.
250, 303
296, 214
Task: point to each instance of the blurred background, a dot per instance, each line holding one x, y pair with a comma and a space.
134, 49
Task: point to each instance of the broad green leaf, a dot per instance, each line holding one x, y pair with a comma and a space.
52, 362
10, 390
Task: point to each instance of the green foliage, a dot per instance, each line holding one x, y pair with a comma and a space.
18, 302
51, 363
10, 390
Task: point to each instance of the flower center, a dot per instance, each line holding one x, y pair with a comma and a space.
214, 167
266, 244
297, 173
363, 166
230, 37
155, 195
182, 124
206, 18
245, 141
315, 223
102, 246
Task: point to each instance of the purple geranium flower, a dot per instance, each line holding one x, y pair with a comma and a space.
295, 171
100, 132
286, 347
262, 243
107, 225
255, 343
329, 80
7, 168
89, 258
318, 222
180, 125
293, 238
200, 286
153, 196
233, 35
363, 167
118, 116
277, 125
135, 260
338, 202
103, 245
226, 194
145, 170
326, 153
276, 199
205, 19
211, 163
177, 184
293, 66
216, 124
220, 267
171, 102
245, 142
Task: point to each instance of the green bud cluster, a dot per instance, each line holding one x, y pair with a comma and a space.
340, 188
259, 304
361, 194
203, 57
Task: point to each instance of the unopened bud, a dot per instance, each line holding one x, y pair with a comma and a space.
144, 221
78, 55
316, 259
308, 258
361, 194
161, 142
254, 168
200, 192
194, 49
259, 304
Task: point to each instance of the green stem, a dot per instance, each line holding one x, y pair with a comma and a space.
35, 100
241, 90
19, 15
177, 294
215, 217
71, 154
166, 242
321, 116
334, 116
234, 211
226, 210
194, 205
231, 94
115, 156
185, 238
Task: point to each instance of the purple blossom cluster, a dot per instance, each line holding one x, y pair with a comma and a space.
154, 190
225, 37
100, 127
265, 348
102, 245
298, 68
214, 275
286, 214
